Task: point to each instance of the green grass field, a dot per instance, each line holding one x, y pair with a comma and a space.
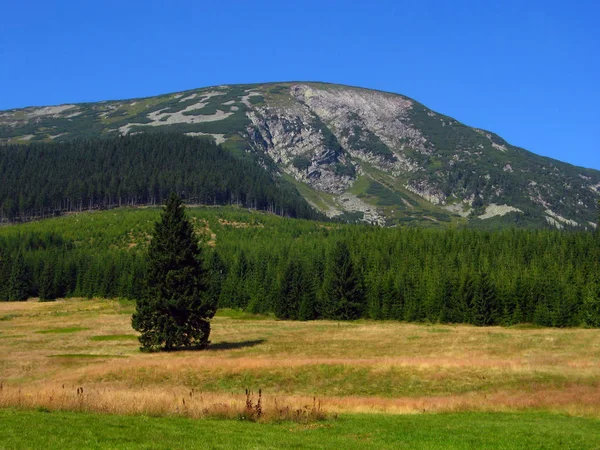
63, 430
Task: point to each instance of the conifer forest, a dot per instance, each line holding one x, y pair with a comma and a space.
304, 270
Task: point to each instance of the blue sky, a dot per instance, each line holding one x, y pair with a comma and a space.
527, 70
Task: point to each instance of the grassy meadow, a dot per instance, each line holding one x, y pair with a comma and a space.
73, 369
82, 355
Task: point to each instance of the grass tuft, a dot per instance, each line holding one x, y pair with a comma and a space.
84, 355
62, 330
114, 337
9, 316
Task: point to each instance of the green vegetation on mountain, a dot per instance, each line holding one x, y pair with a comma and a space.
359, 139
488, 164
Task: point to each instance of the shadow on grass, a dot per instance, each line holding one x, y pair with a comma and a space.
234, 345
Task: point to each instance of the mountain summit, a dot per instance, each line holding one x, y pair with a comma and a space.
363, 154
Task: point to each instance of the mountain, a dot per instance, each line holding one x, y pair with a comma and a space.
363, 154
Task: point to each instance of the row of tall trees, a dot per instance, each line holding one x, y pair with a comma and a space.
41, 179
307, 270
58, 273
332, 286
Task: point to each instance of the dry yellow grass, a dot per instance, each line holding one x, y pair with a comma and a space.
50, 350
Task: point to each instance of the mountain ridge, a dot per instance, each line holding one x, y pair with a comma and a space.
381, 157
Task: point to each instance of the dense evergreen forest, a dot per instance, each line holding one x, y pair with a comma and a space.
300, 269
41, 179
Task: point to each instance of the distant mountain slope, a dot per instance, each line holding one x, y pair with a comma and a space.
375, 156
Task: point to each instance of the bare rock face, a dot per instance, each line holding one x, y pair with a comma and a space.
295, 139
322, 137
364, 120
430, 193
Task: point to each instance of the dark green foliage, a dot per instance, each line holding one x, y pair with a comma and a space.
19, 282
364, 140
484, 310
232, 296
301, 163
256, 100
591, 304
217, 273
344, 169
4, 273
343, 296
175, 310
46, 286
48, 179
287, 303
312, 279
449, 276
278, 89
308, 304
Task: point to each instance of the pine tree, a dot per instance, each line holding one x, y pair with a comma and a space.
375, 299
591, 305
46, 288
484, 302
257, 286
393, 298
4, 275
175, 310
311, 281
517, 300
287, 303
308, 306
342, 287
217, 272
19, 281
461, 300
238, 278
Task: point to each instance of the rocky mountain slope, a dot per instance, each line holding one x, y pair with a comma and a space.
367, 155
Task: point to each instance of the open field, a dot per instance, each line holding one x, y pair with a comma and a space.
426, 431
48, 351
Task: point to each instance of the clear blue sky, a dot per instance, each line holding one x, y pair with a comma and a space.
527, 70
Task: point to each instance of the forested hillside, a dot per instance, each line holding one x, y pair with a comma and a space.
43, 179
297, 268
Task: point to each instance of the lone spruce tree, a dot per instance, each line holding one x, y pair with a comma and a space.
176, 307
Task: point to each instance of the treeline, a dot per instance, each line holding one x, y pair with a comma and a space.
503, 278
41, 179
47, 267
307, 270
